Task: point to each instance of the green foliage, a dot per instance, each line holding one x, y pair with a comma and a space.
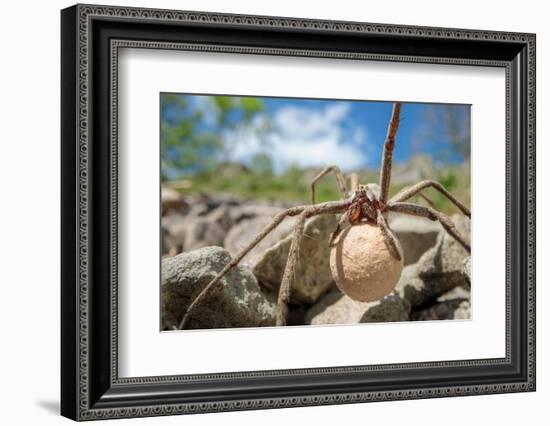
294, 185
444, 123
290, 186
193, 148
455, 178
251, 106
262, 165
191, 137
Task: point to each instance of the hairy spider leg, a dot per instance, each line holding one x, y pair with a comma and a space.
340, 182
389, 236
387, 153
307, 211
411, 191
432, 214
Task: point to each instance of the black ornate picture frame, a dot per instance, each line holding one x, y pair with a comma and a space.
91, 36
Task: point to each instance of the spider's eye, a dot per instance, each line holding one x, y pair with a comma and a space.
360, 193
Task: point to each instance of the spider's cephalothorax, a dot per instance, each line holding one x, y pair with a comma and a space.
366, 204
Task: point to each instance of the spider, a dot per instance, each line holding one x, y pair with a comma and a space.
365, 203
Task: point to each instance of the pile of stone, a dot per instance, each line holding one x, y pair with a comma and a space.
200, 234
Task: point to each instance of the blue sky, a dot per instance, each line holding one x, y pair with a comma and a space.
315, 132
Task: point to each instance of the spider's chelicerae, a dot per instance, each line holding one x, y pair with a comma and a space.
364, 204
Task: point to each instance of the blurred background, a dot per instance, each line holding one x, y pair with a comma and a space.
229, 164
271, 148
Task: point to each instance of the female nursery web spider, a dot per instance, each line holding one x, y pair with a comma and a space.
366, 203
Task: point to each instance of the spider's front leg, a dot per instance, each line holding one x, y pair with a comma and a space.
391, 240
305, 211
387, 153
411, 191
340, 181
354, 182
283, 298
342, 222
432, 214
293, 211
293, 254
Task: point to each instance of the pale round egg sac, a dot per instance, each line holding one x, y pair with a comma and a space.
361, 264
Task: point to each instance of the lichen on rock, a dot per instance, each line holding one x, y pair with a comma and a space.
237, 300
439, 270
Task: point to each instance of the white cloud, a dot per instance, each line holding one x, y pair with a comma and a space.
302, 136
337, 111
205, 105
359, 135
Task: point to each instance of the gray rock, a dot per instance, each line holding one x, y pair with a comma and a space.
207, 223
467, 271
236, 301
448, 310
216, 200
414, 289
336, 308
173, 229
222, 216
439, 270
455, 293
164, 248
172, 201
196, 229
193, 231
252, 210
454, 304
201, 231
246, 230
416, 234
448, 255
198, 209
312, 275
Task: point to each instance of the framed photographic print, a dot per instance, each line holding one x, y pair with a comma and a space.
263, 212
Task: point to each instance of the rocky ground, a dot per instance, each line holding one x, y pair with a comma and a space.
201, 233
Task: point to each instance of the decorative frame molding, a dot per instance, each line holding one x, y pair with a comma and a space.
91, 37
